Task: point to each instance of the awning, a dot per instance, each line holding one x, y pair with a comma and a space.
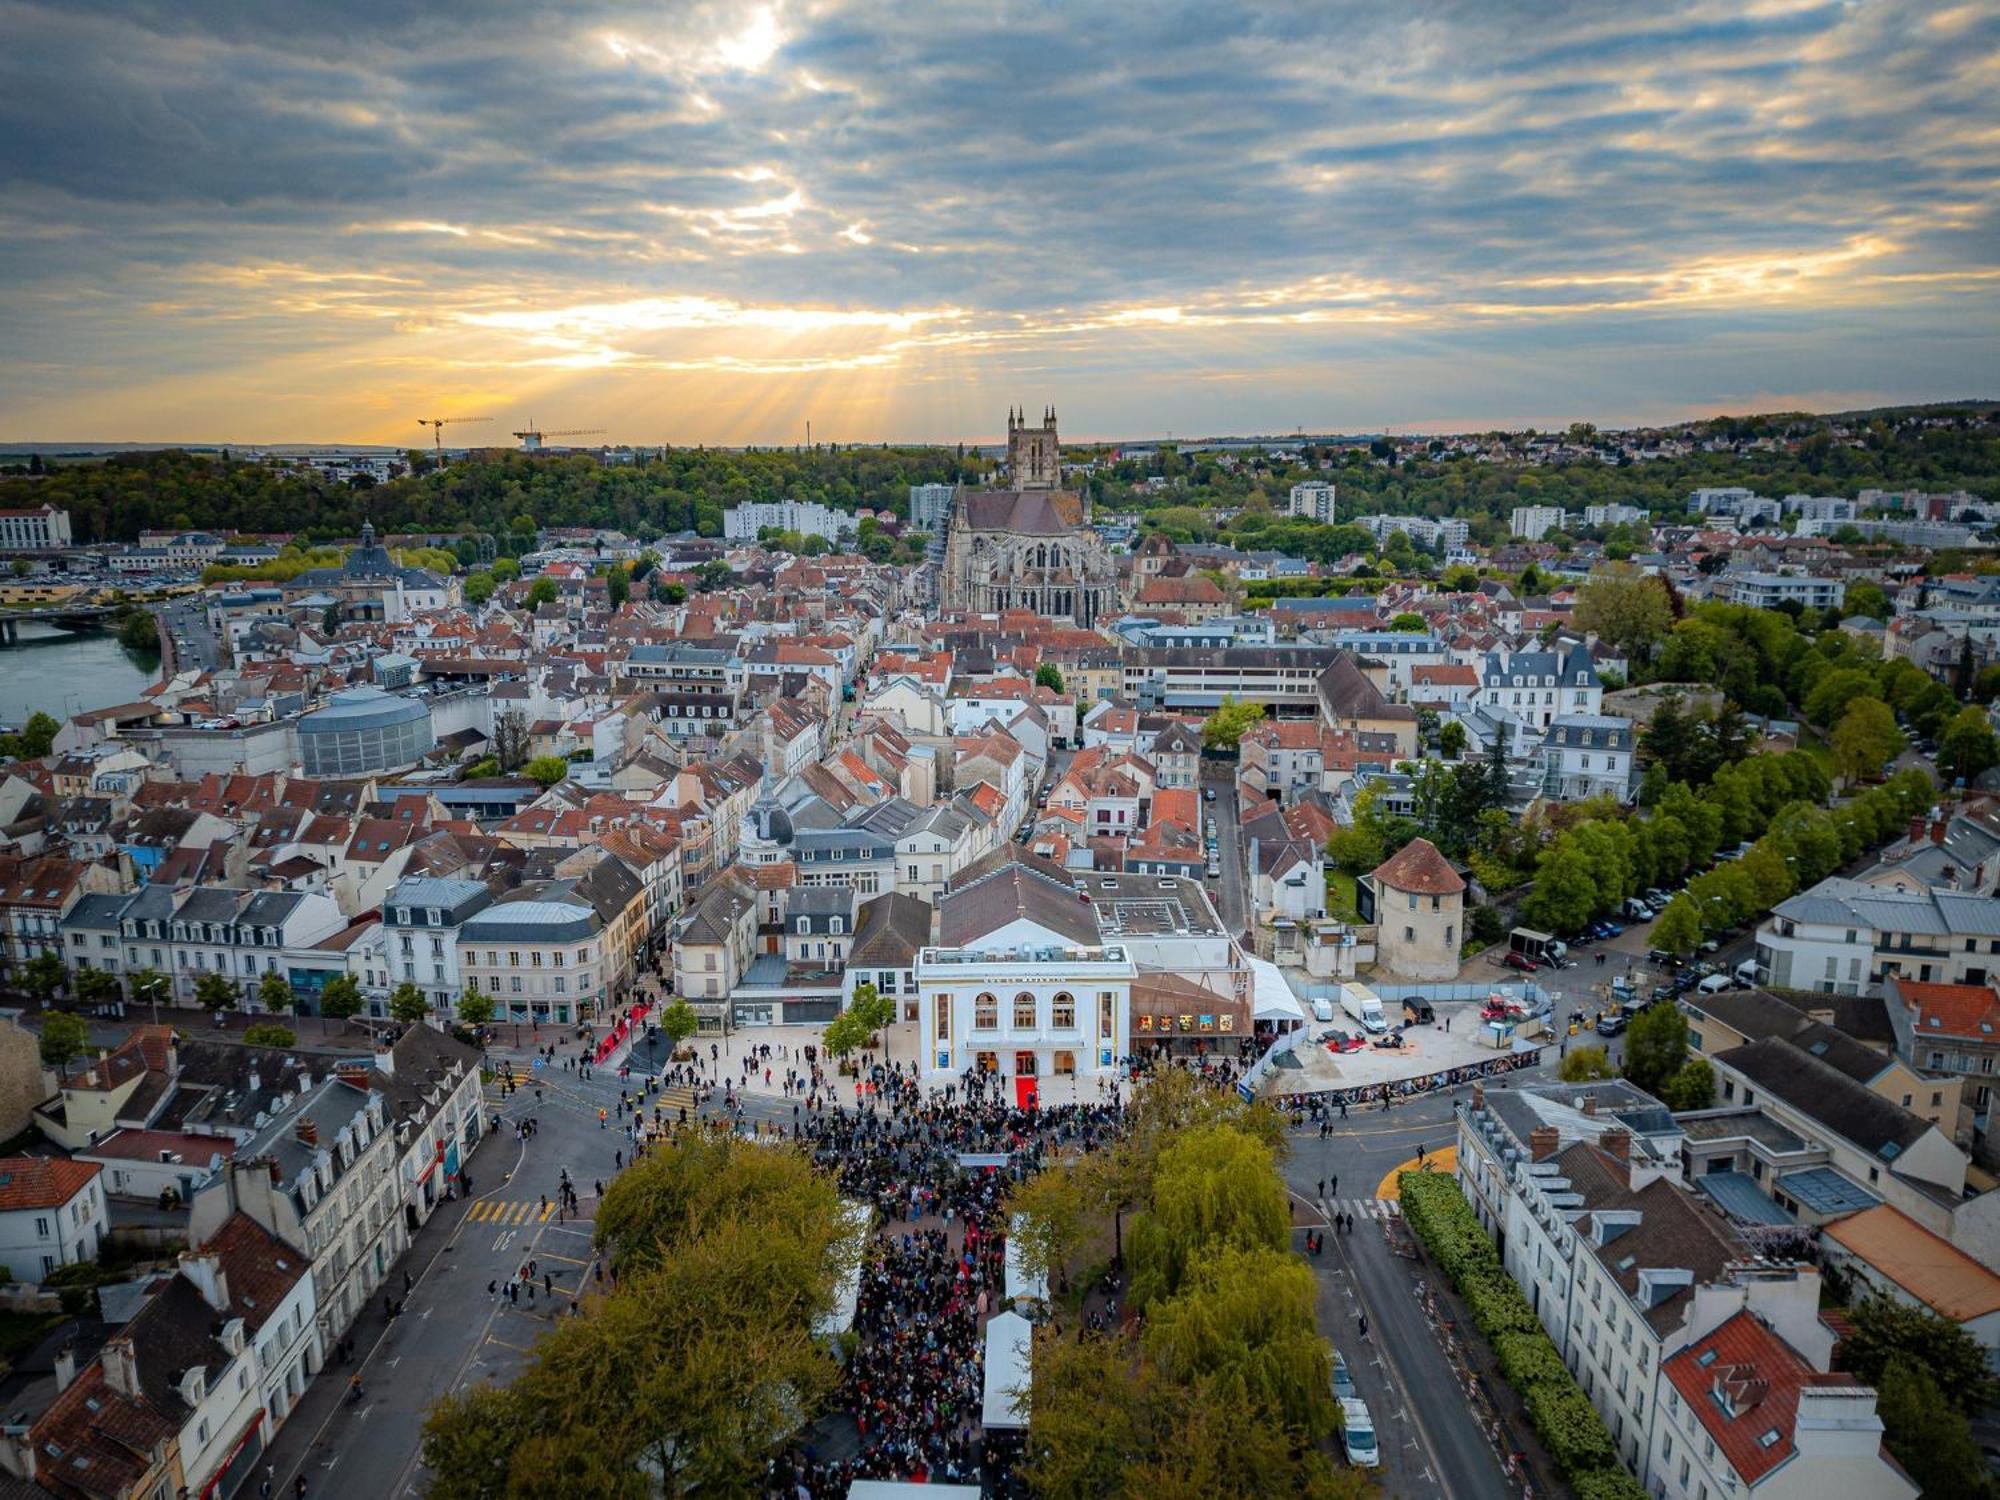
1271, 997
1008, 1338
1023, 1285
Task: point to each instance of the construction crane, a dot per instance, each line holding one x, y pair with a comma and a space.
531, 439
438, 425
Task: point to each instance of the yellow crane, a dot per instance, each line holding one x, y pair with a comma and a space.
438, 425
531, 438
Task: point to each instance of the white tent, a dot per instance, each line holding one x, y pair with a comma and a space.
838, 1318
1007, 1344
1023, 1285
897, 1489
1271, 997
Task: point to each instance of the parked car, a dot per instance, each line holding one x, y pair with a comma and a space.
1208, 794
1520, 961
1357, 1434
1417, 1011
1613, 1023
1343, 1383
1715, 984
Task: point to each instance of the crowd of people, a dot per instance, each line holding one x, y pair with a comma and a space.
935, 1271
1324, 1105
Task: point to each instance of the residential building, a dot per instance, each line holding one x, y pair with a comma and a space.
712, 950
1314, 500
1888, 1252
1588, 755
1615, 515
45, 528
1848, 937
1176, 757
321, 1176
52, 1214
1826, 508
1533, 522
1769, 590
1425, 531
1535, 687
421, 921
930, 506
539, 953
808, 518
269, 1286
1952, 1031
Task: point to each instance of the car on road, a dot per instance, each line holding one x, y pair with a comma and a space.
1357, 1434
1606, 929
1520, 961
1208, 793
1613, 1023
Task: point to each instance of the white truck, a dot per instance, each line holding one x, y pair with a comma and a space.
1364, 1005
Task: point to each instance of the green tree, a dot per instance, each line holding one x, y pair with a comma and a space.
1587, 1064
546, 769
1867, 599
1409, 623
1363, 844
1883, 1330
1967, 746
475, 1006
1215, 1188
671, 593
408, 1004
1452, 739
1928, 1435
1627, 609
617, 587
478, 588
1830, 696
542, 591
1050, 676
270, 1034
213, 991
504, 569
42, 976
64, 1038
1691, 1087
1865, 739
678, 1022
1227, 725
341, 998
1656, 1047
96, 986
1679, 929
274, 993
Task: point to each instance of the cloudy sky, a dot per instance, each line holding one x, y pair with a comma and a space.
713, 221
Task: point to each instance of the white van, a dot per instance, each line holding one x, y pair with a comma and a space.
1322, 1010
1715, 984
1357, 1434
1746, 972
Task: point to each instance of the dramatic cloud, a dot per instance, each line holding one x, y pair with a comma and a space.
712, 221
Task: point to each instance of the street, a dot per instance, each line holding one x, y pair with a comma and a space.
1230, 902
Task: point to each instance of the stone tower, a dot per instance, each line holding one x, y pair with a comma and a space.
1034, 454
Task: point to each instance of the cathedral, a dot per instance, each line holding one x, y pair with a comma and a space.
1028, 546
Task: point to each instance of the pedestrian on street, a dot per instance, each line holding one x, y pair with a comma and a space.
1364, 1325
1336, 1185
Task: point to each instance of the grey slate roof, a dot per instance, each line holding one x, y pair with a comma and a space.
1824, 1093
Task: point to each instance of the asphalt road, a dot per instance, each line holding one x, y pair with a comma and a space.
1231, 902
1427, 1445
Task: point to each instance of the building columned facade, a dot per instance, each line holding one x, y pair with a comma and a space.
1027, 546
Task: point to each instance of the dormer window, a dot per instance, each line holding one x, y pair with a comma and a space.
402, 916
434, 917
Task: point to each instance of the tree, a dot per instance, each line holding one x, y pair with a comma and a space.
1656, 1047
64, 1038
1362, 845
1865, 740
1866, 599
478, 588
42, 976
408, 1004
1409, 623
671, 593
1452, 739
1883, 1331
270, 1034
96, 986
1215, 1188
1050, 676
1691, 1087
546, 770
1226, 726
1679, 929
1830, 696
341, 998
617, 587
1928, 1436
678, 1022
1628, 609
542, 591
475, 1006
1967, 746
504, 569
213, 991
274, 993
1586, 1064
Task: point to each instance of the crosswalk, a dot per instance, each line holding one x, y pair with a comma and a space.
1367, 1208
497, 1211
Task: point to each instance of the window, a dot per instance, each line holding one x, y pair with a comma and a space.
1063, 1012
1024, 1012
41, 1229
985, 1014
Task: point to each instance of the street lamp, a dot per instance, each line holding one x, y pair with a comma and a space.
153, 987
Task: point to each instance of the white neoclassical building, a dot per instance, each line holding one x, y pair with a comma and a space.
1022, 983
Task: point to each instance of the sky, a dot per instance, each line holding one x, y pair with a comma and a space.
228, 220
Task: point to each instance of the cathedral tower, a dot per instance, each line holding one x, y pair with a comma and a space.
1034, 454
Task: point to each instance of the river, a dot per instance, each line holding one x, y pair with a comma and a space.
63, 673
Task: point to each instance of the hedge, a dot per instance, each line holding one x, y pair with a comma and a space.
1568, 1425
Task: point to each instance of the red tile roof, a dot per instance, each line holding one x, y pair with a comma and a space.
1961, 1010
1742, 1383
1418, 867
42, 1181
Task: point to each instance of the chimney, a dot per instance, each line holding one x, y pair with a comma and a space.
204, 1269
1543, 1142
256, 1081
1617, 1143
1938, 829
121, 1367
354, 1075
277, 1173
1589, 1105
1917, 829
385, 1060
65, 1366
307, 1132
